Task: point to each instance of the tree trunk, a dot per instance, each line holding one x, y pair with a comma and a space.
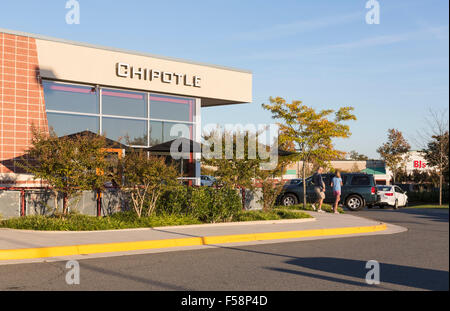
65, 199
304, 185
440, 175
55, 195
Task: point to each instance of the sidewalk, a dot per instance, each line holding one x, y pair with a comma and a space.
25, 246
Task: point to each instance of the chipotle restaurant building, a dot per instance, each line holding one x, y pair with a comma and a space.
73, 87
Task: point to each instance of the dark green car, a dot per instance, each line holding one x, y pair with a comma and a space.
359, 190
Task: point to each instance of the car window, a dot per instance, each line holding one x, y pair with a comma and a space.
360, 180
398, 189
384, 188
326, 179
344, 179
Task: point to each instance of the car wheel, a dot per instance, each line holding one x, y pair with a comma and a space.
396, 204
354, 203
289, 199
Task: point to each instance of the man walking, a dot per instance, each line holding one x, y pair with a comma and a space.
319, 189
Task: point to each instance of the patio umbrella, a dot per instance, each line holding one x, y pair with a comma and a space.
194, 147
109, 142
190, 145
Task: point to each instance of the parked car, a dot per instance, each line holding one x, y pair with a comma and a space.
294, 181
392, 196
207, 181
358, 191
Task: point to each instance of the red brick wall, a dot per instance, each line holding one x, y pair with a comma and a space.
21, 98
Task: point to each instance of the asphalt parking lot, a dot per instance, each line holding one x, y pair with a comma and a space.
417, 259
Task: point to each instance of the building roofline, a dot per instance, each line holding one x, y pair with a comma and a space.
89, 45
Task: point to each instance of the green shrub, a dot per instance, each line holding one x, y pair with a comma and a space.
124, 220
214, 205
174, 201
204, 203
427, 197
76, 222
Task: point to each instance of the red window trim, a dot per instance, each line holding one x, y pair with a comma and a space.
71, 89
120, 94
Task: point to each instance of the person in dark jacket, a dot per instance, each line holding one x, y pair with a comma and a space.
319, 189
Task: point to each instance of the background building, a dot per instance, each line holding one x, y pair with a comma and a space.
375, 167
413, 160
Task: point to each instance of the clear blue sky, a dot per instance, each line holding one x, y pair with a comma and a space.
321, 52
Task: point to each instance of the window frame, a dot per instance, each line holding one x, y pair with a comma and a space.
97, 95
100, 115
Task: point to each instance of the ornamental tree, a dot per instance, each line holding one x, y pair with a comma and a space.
435, 144
236, 167
145, 178
394, 151
271, 187
312, 132
68, 164
354, 155
437, 155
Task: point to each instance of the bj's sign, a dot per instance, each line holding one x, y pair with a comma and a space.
419, 164
124, 70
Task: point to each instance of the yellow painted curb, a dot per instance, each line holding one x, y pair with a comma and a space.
57, 251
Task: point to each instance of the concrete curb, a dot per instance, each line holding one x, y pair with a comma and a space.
71, 250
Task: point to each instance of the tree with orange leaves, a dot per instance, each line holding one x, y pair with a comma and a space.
311, 132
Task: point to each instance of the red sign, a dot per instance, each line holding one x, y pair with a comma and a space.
419, 164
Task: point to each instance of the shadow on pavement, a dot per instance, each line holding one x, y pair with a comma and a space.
421, 278
434, 214
437, 214
427, 279
137, 279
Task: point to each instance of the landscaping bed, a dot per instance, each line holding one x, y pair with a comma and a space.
424, 205
299, 207
127, 220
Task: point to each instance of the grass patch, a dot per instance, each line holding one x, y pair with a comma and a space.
127, 220
325, 207
427, 206
76, 222
276, 214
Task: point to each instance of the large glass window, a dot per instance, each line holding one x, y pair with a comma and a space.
156, 133
127, 131
171, 108
172, 131
119, 103
119, 114
66, 124
75, 98
161, 132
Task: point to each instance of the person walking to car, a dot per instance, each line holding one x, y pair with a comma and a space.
336, 184
319, 189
